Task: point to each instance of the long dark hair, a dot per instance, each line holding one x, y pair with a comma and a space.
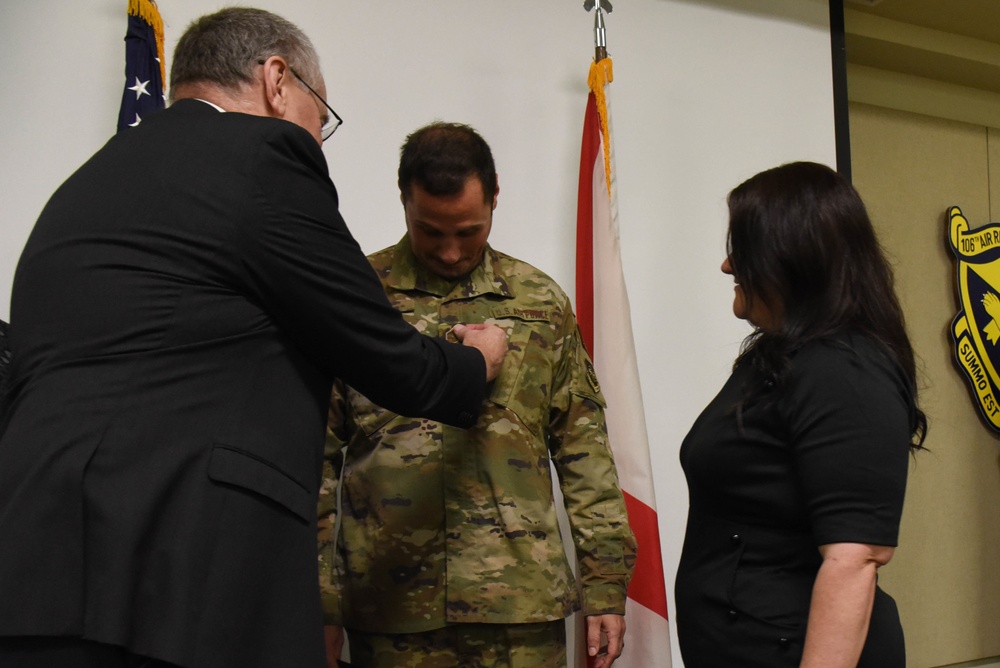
801, 241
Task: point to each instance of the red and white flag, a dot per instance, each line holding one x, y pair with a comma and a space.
606, 326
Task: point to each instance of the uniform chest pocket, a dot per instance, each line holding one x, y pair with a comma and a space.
525, 380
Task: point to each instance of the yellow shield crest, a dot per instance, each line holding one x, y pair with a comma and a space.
976, 328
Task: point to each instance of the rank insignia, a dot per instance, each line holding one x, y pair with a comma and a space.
976, 328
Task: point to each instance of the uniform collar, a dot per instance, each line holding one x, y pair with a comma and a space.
408, 274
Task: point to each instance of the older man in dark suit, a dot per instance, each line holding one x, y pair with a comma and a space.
178, 315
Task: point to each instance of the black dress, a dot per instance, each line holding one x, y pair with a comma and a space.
821, 460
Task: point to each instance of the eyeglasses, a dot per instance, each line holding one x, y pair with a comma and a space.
333, 121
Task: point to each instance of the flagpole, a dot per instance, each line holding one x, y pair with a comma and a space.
605, 323
600, 35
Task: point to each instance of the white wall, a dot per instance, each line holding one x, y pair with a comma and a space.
705, 94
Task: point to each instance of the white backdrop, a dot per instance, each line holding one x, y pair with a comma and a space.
706, 93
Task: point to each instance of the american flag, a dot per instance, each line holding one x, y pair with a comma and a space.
144, 64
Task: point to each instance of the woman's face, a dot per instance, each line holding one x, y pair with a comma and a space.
757, 313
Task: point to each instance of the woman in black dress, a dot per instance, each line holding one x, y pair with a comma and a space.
797, 469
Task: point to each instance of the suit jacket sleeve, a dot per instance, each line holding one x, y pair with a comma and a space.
304, 266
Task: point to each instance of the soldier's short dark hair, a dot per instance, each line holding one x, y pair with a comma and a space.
441, 157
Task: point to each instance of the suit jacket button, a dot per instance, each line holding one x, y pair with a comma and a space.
735, 538
784, 642
733, 615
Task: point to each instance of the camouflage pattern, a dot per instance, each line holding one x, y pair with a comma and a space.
443, 525
465, 646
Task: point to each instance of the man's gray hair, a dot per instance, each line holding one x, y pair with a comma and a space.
226, 47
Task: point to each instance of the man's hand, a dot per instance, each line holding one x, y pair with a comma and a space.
334, 636
613, 627
490, 340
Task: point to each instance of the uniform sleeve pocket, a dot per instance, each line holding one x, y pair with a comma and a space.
235, 467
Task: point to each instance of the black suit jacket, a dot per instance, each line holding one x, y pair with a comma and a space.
5, 357
178, 315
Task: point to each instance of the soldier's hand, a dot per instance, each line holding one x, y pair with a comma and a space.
490, 340
605, 639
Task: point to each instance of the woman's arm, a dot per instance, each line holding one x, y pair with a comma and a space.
841, 606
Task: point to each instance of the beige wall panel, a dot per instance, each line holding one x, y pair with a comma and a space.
946, 572
994, 152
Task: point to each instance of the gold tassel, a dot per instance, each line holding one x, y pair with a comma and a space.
148, 12
601, 75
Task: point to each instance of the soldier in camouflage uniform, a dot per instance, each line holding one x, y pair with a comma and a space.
449, 551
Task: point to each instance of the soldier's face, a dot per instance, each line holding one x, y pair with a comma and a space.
448, 234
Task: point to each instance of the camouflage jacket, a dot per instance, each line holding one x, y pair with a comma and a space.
439, 524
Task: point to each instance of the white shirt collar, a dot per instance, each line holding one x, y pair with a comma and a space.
211, 104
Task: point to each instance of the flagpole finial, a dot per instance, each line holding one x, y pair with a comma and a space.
600, 37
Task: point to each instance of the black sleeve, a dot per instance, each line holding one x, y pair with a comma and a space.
848, 415
300, 260
5, 362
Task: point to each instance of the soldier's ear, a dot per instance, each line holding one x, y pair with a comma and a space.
496, 193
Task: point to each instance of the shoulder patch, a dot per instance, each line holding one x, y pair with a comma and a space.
592, 378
